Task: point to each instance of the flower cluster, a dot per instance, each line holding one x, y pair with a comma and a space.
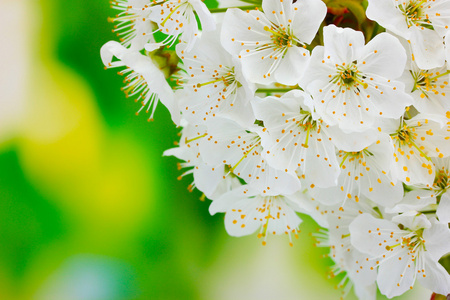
283, 112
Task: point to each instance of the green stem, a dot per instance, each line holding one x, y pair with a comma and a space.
224, 9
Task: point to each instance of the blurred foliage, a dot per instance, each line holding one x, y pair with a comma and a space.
351, 14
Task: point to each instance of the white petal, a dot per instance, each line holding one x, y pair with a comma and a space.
428, 48
206, 18
207, 178
447, 49
327, 196
412, 220
396, 274
437, 240
234, 30
307, 20
342, 44
316, 69
278, 11
364, 234
382, 92
384, 191
226, 201
439, 14
292, 66
384, 56
111, 49
150, 47
144, 66
321, 166
414, 200
443, 210
354, 141
436, 277
387, 15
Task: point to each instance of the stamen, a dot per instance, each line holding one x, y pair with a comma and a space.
171, 13
440, 75
186, 141
245, 156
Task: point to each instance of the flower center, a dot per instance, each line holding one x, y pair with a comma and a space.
225, 75
281, 36
406, 135
349, 77
442, 181
415, 15
413, 240
353, 156
427, 82
307, 123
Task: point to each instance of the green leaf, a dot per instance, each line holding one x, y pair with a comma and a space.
445, 262
356, 8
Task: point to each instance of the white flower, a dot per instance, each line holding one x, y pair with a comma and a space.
247, 210
295, 140
271, 44
425, 196
423, 23
214, 83
405, 249
359, 271
144, 79
132, 24
353, 85
178, 18
240, 148
366, 172
210, 180
429, 88
415, 142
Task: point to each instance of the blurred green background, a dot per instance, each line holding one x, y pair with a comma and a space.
89, 208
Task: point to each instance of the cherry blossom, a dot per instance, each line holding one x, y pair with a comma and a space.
424, 23
247, 210
353, 84
240, 149
143, 79
177, 18
351, 128
405, 249
133, 25
214, 83
271, 44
